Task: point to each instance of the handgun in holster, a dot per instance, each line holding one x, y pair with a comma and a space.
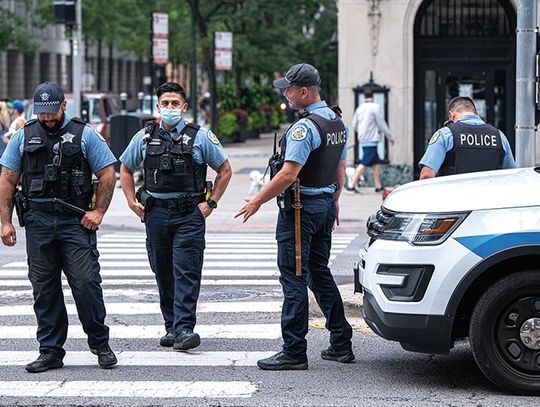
145, 199
21, 206
285, 200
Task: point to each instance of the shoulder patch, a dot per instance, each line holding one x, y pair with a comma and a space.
299, 132
434, 138
212, 137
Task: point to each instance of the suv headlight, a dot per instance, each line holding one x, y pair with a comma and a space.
422, 229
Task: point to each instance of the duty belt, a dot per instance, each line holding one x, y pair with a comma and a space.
57, 206
183, 204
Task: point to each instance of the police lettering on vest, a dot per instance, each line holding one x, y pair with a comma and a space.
476, 148
54, 166
169, 165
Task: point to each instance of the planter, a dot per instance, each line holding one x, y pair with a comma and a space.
227, 139
252, 134
241, 136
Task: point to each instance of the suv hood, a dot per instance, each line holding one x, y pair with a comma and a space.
517, 187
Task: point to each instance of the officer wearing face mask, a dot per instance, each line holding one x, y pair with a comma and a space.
56, 155
174, 203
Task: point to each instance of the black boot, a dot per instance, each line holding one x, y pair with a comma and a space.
186, 340
281, 361
44, 362
168, 340
106, 357
343, 356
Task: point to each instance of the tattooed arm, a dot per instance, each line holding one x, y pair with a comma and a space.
8, 183
107, 179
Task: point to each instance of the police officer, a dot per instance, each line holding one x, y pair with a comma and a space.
173, 204
467, 144
314, 150
56, 156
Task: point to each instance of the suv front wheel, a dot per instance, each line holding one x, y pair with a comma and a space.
504, 333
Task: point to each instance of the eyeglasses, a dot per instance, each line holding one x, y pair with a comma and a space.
57, 155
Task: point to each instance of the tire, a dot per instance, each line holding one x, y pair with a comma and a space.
494, 333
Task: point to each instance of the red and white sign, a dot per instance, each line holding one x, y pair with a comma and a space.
223, 59
223, 44
160, 38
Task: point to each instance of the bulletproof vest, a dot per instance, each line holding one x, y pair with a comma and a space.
169, 165
476, 148
54, 166
320, 168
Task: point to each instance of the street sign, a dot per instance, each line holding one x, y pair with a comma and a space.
223, 59
160, 25
223, 40
161, 50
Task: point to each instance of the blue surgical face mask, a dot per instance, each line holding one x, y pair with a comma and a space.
171, 116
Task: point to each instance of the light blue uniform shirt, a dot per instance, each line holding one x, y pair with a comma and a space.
93, 146
206, 150
443, 141
307, 139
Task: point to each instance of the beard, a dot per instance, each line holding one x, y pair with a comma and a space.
54, 129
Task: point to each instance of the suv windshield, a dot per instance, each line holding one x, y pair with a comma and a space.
93, 110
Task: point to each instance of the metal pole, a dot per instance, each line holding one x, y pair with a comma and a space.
77, 59
151, 63
193, 61
526, 34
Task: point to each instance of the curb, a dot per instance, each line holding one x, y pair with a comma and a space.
352, 303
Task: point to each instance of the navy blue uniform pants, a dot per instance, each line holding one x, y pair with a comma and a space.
175, 245
318, 217
56, 242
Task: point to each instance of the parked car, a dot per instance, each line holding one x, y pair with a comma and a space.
97, 109
456, 257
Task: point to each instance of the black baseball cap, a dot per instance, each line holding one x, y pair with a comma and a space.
48, 97
299, 75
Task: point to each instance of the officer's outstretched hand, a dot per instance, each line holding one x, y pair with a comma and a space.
138, 208
92, 219
9, 235
249, 209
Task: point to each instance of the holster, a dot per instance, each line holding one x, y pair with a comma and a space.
21, 206
285, 200
145, 199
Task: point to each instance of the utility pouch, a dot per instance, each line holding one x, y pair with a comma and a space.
21, 206
145, 199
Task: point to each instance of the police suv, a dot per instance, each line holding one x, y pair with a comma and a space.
459, 256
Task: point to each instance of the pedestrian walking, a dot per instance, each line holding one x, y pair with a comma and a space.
174, 202
466, 144
369, 123
56, 156
17, 119
312, 157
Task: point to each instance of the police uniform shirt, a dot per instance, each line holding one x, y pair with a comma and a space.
443, 141
303, 137
93, 146
206, 150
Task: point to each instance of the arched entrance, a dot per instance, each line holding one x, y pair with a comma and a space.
467, 48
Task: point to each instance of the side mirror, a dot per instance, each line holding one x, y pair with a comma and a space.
85, 111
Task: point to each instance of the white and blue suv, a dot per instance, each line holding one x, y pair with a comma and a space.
456, 257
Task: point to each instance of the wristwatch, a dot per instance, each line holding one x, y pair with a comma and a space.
211, 203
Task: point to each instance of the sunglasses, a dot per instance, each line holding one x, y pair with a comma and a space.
57, 154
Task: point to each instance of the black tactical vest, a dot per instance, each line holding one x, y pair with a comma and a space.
169, 165
320, 168
53, 166
476, 148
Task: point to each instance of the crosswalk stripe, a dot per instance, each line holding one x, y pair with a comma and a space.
153, 308
242, 331
152, 282
207, 251
224, 257
224, 236
144, 264
146, 272
236, 240
123, 389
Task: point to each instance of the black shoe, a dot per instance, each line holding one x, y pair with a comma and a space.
44, 362
168, 340
186, 340
379, 189
106, 357
343, 356
281, 361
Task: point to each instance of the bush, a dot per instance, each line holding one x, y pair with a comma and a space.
241, 118
255, 121
228, 99
227, 125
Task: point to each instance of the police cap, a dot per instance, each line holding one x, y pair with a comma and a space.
299, 75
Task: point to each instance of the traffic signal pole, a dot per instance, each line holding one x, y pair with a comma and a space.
77, 59
526, 50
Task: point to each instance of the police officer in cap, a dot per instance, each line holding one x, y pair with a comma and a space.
467, 144
56, 156
314, 150
174, 204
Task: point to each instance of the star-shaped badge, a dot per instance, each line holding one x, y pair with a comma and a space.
185, 139
67, 138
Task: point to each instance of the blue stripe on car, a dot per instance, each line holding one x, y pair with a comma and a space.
486, 245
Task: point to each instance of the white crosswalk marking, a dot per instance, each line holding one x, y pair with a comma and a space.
239, 286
